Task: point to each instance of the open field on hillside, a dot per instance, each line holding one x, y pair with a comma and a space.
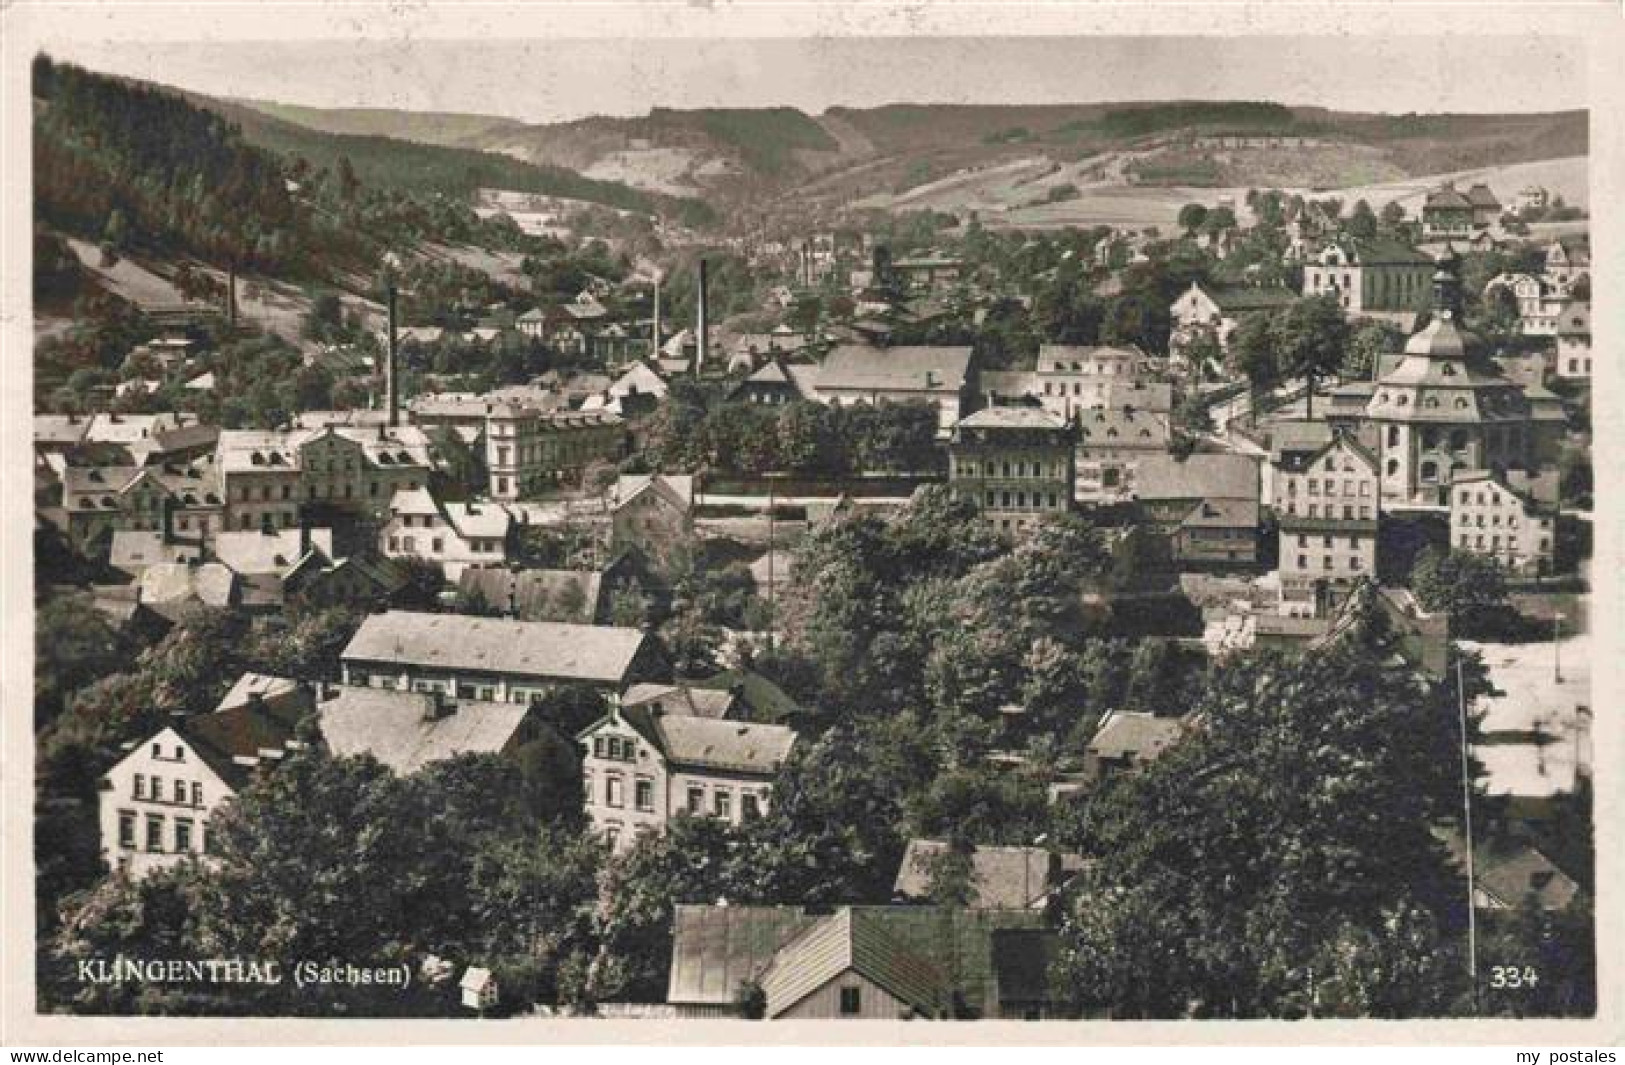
663, 170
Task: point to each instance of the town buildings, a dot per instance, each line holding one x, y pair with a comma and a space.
654, 514
941, 376
1510, 517
451, 535
1016, 464
1327, 507
1216, 311
1371, 278
1441, 409
1206, 505
650, 761
1127, 740
408, 730
491, 659
528, 450
1572, 360
155, 802
861, 962
1112, 442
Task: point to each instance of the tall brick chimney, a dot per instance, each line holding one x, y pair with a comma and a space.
654, 352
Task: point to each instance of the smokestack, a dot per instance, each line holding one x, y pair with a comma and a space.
703, 341
231, 297
392, 395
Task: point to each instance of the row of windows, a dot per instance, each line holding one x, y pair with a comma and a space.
437, 545
312, 491
1349, 487
1476, 541
1010, 469
1329, 563
153, 790
1350, 512
1047, 501
186, 831
616, 748
643, 797
1328, 541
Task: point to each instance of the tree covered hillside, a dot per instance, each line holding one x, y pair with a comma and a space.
128, 165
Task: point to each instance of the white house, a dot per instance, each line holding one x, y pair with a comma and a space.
454, 536
1511, 518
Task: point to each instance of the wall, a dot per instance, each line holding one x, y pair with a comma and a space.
824, 1004
120, 796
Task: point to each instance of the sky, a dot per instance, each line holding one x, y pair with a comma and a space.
556, 80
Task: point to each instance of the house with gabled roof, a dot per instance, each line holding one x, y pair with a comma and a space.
651, 760
653, 514
1206, 504
1372, 278
852, 963
495, 658
1510, 516
942, 376
1218, 310
1328, 505
156, 801
452, 535
1126, 740
408, 730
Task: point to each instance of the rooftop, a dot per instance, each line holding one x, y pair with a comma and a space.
597, 653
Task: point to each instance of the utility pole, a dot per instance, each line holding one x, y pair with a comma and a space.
1557, 644
1467, 819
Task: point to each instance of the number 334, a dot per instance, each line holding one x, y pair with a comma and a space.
1513, 977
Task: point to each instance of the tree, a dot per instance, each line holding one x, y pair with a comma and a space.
1392, 215
1362, 221
1313, 337
1254, 346
1191, 217
1470, 588
1285, 830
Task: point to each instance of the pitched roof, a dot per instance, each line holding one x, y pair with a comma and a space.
676, 488
1123, 427
209, 583
409, 730
268, 552
707, 743
856, 367
853, 939
680, 699
134, 550
1128, 734
1480, 195
1012, 418
597, 653
1247, 298
1198, 476
1507, 873
262, 686
537, 594
237, 740
1446, 198
715, 949
1011, 878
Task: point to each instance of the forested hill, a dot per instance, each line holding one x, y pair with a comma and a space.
133, 166
141, 168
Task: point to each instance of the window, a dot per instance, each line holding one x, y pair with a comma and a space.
126, 830
157, 792
155, 833
722, 803
437, 545
140, 785
851, 1001
750, 806
612, 791
183, 835
180, 792
696, 800
157, 751
645, 795
180, 753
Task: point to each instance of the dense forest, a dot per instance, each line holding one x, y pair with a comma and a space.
127, 165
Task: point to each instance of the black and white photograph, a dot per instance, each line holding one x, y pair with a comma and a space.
531, 526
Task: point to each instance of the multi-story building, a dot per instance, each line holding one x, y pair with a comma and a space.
267, 478
451, 535
941, 376
1328, 505
1111, 444
1371, 278
643, 765
1442, 408
407, 731
1509, 517
182, 502
527, 449
1016, 464
155, 802
1446, 213
1206, 505
1567, 260
1217, 311
1540, 302
1573, 359
496, 659
653, 513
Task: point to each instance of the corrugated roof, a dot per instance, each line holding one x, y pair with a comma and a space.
715, 949
852, 940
